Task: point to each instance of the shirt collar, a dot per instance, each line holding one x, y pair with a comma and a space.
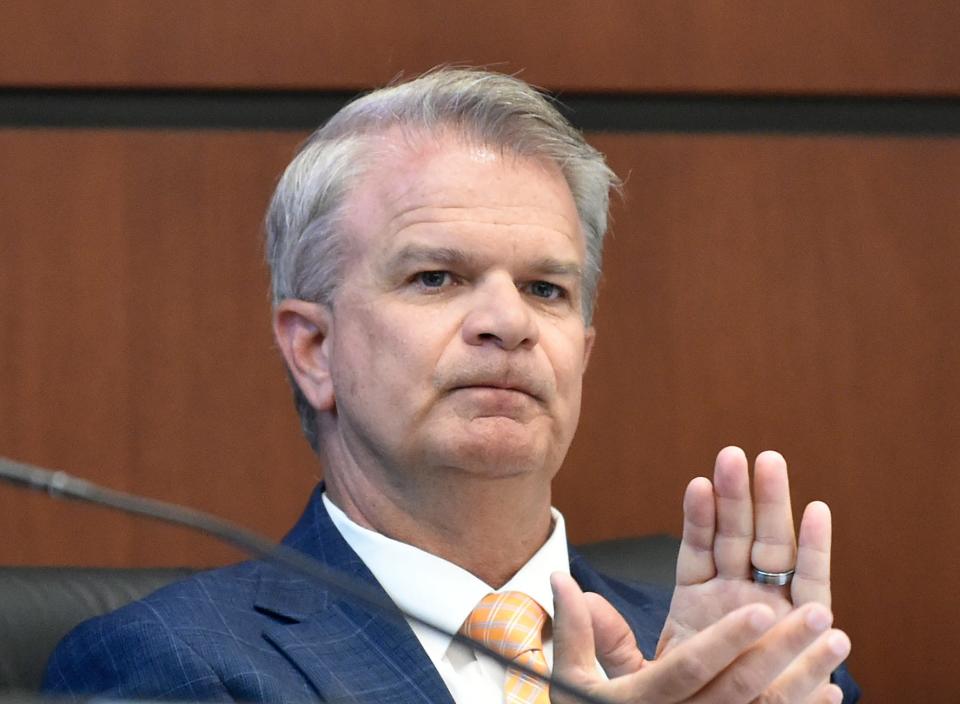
432, 588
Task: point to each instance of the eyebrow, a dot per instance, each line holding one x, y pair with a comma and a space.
447, 256
455, 257
549, 265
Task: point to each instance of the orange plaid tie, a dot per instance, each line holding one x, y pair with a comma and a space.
510, 624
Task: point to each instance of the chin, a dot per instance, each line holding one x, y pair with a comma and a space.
499, 449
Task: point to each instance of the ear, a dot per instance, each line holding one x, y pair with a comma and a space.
589, 337
302, 330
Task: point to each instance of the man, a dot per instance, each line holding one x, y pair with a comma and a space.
435, 251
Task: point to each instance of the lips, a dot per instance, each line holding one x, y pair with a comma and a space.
519, 376
495, 385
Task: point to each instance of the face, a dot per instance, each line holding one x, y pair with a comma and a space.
456, 341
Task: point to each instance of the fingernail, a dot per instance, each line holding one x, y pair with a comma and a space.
818, 619
839, 644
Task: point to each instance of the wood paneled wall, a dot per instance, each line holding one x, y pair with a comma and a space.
857, 46
786, 292
800, 294
136, 339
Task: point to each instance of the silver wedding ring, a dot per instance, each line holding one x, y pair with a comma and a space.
776, 578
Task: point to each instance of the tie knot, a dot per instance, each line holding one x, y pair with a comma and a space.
509, 623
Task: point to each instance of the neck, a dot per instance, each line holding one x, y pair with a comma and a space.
489, 527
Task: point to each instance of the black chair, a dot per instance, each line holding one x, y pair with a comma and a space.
651, 558
39, 605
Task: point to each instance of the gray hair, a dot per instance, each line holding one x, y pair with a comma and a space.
303, 222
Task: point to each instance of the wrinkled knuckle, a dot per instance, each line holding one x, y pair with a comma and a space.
624, 652
691, 669
742, 686
773, 696
765, 540
816, 576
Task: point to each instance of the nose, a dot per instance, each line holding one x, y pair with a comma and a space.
500, 316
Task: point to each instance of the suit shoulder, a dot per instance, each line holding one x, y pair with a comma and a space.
129, 653
188, 603
652, 599
139, 649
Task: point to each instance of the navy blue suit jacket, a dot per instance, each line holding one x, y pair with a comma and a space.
254, 632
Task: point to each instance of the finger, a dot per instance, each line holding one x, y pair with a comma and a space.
695, 559
774, 543
812, 579
760, 666
616, 646
805, 679
734, 538
574, 654
690, 666
826, 694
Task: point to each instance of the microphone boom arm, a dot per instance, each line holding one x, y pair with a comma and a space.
59, 484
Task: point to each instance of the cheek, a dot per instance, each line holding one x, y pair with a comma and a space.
381, 355
359, 347
565, 352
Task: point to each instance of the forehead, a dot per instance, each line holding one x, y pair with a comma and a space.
414, 181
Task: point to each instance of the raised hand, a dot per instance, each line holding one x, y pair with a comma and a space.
726, 532
727, 638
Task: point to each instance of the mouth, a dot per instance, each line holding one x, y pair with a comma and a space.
496, 387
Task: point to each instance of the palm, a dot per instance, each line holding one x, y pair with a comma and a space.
726, 530
695, 607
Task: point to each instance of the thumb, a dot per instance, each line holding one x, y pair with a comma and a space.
616, 645
574, 654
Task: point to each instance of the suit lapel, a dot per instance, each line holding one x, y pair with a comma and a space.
344, 650
348, 654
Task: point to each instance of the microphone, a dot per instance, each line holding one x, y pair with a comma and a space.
60, 485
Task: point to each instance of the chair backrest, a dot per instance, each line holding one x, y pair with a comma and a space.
650, 558
39, 605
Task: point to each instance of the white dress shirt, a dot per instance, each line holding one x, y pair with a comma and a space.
443, 593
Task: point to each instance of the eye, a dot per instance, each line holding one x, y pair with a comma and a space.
546, 290
433, 279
